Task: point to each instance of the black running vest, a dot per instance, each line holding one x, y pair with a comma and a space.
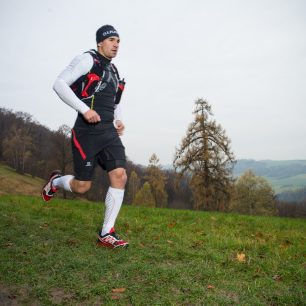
100, 89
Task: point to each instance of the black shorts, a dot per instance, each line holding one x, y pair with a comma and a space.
89, 149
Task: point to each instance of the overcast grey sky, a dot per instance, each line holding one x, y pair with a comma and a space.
247, 58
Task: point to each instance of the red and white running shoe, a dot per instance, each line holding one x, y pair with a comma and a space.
48, 190
111, 240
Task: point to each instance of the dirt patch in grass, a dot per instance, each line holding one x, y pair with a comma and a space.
16, 296
12, 296
6, 297
59, 296
232, 297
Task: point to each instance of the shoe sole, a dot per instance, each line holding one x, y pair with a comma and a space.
124, 246
52, 177
110, 246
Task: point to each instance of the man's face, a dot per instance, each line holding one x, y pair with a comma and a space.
109, 47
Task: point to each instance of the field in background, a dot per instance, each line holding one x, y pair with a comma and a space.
48, 257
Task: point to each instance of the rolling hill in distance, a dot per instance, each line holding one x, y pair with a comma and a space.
283, 175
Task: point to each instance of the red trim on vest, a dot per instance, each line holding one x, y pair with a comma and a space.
92, 77
77, 145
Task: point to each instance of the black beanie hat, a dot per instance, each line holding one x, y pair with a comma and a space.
105, 32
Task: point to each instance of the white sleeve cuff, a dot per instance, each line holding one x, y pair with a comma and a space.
118, 112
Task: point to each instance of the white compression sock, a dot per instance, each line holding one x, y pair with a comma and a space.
113, 201
63, 182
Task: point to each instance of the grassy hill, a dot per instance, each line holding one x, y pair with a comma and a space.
49, 257
14, 183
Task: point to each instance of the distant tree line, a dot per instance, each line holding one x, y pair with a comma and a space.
292, 203
298, 195
32, 148
201, 178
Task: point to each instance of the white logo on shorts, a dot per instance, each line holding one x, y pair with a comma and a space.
88, 164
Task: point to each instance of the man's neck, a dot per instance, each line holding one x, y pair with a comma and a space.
102, 54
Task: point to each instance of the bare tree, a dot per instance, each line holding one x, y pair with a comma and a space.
133, 186
17, 148
205, 154
157, 180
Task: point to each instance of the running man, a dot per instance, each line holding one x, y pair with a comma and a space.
91, 85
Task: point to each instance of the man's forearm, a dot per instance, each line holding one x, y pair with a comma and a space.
78, 67
67, 95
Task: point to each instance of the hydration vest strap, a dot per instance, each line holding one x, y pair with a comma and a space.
116, 71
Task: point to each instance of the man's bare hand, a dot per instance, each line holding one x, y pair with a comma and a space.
120, 127
92, 116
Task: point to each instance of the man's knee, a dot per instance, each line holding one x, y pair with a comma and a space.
118, 176
80, 186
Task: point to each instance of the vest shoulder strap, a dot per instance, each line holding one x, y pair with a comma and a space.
97, 62
116, 71
97, 65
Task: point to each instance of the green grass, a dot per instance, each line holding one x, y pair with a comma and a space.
48, 257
